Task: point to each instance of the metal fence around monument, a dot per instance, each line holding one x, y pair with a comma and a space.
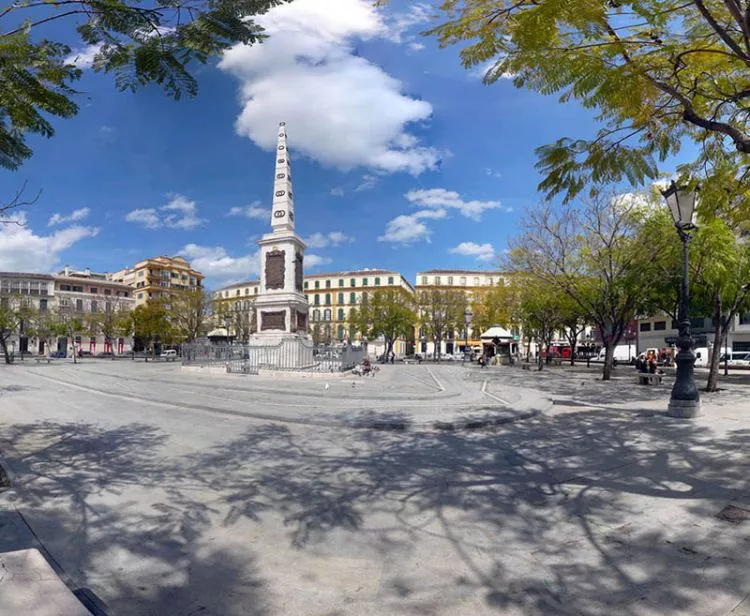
299, 356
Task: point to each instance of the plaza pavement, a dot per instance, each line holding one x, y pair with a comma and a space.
163, 493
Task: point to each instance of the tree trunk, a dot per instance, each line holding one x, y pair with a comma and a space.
539, 358
713, 367
609, 352
4, 344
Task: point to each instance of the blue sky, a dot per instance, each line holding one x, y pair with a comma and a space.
401, 158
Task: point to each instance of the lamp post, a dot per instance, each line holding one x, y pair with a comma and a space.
685, 399
468, 316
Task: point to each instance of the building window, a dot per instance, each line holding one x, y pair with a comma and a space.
489, 281
424, 280
327, 314
256, 290
377, 281
79, 305
341, 282
307, 284
645, 327
340, 332
353, 282
42, 305
476, 281
107, 292
450, 280
390, 279
437, 279
328, 299
462, 281
660, 326
108, 307
341, 314
364, 282
352, 298
328, 284
317, 300
316, 315
247, 290
238, 292
341, 298
140, 296
745, 319
317, 284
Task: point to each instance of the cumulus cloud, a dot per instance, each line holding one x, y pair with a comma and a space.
308, 69
21, 250
416, 46
254, 210
407, 229
337, 191
323, 240
74, 216
179, 213
312, 261
400, 24
482, 252
440, 198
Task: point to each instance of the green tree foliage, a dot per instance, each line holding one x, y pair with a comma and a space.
152, 325
139, 44
719, 275
591, 254
441, 311
9, 322
189, 311
388, 313
541, 312
43, 325
656, 72
496, 305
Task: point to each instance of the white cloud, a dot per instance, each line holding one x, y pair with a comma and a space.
407, 229
217, 265
492, 173
401, 23
368, 182
185, 216
74, 216
83, 57
480, 71
21, 250
312, 261
144, 216
323, 240
441, 198
416, 46
254, 210
482, 252
307, 68
337, 191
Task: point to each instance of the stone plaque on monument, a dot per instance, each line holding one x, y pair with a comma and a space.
273, 320
298, 275
301, 322
275, 268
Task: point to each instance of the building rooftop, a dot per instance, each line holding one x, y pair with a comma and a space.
26, 275
248, 283
363, 272
462, 271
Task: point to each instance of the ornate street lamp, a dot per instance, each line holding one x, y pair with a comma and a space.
468, 316
685, 399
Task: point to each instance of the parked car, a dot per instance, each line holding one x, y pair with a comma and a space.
736, 358
410, 359
169, 355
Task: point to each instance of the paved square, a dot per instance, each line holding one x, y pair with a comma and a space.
166, 492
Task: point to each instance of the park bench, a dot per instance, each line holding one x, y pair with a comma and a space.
649, 379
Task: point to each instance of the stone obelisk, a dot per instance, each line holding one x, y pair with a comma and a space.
281, 306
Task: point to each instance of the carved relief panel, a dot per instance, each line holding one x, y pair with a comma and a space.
273, 320
301, 322
275, 269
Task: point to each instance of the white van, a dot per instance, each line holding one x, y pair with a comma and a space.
169, 355
622, 353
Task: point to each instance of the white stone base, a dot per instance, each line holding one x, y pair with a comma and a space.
278, 349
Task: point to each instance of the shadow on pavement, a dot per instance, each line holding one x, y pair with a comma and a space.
585, 513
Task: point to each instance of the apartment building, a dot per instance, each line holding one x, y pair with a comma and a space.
158, 277
661, 332
469, 282
79, 293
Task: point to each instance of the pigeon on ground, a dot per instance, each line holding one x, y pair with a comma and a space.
326, 387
